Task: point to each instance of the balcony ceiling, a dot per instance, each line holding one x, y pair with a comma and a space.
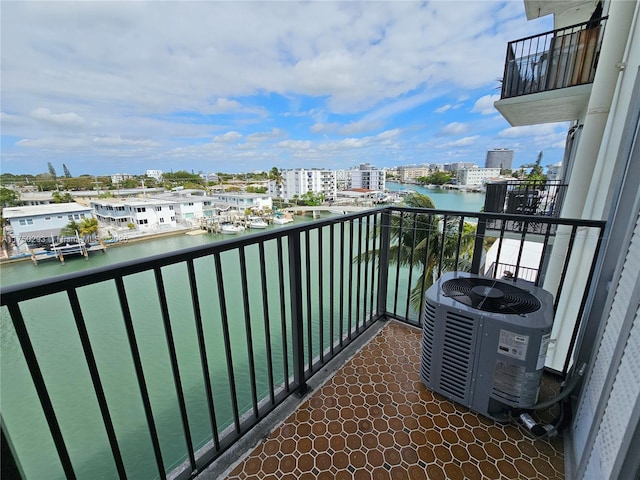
559, 105
565, 13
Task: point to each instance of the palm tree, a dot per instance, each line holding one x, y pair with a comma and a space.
70, 229
88, 228
430, 242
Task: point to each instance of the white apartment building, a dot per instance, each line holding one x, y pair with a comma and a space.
589, 75
300, 181
343, 179
409, 174
476, 176
242, 201
120, 177
145, 214
36, 224
157, 174
368, 177
455, 166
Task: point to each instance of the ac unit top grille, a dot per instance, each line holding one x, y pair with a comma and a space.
490, 295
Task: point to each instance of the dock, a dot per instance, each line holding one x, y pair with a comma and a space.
61, 249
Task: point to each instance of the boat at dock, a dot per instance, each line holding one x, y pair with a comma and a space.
282, 219
257, 222
230, 229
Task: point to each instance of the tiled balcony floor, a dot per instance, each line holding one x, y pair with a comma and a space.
374, 419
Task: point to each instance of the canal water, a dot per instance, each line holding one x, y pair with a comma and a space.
55, 340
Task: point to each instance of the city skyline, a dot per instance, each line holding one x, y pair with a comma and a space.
123, 87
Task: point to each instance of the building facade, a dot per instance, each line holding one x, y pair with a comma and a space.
499, 158
368, 177
242, 201
409, 174
140, 214
190, 205
33, 225
298, 182
476, 176
157, 174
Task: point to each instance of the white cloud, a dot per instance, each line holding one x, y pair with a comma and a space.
69, 119
119, 141
463, 142
443, 108
52, 142
227, 137
7, 119
295, 144
176, 76
484, 105
453, 128
225, 105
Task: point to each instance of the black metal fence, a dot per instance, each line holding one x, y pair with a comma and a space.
205, 342
560, 58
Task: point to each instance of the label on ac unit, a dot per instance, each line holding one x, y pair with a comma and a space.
513, 344
542, 355
514, 385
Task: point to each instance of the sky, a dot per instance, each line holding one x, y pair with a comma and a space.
108, 87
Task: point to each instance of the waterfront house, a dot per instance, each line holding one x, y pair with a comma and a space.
34, 225
190, 204
146, 214
242, 201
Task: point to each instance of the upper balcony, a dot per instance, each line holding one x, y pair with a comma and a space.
548, 77
524, 197
158, 367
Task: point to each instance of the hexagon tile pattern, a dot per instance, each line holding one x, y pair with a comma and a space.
374, 419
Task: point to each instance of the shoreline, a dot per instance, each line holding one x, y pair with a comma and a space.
138, 238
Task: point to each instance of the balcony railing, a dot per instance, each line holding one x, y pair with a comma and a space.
525, 197
560, 58
157, 366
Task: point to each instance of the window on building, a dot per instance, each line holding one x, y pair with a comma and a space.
23, 222
161, 220
141, 209
158, 209
47, 218
173, 219
76, 216
143, 221
29, 221
170, 207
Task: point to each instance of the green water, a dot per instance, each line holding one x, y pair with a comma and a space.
55, 339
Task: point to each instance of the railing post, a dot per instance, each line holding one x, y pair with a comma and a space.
383, 258
10, 467
297, 325
479, 246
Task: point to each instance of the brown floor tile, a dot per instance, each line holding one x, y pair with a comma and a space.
375, 419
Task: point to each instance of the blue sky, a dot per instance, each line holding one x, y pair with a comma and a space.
122, 87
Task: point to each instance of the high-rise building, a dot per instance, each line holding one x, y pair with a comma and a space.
499, 158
